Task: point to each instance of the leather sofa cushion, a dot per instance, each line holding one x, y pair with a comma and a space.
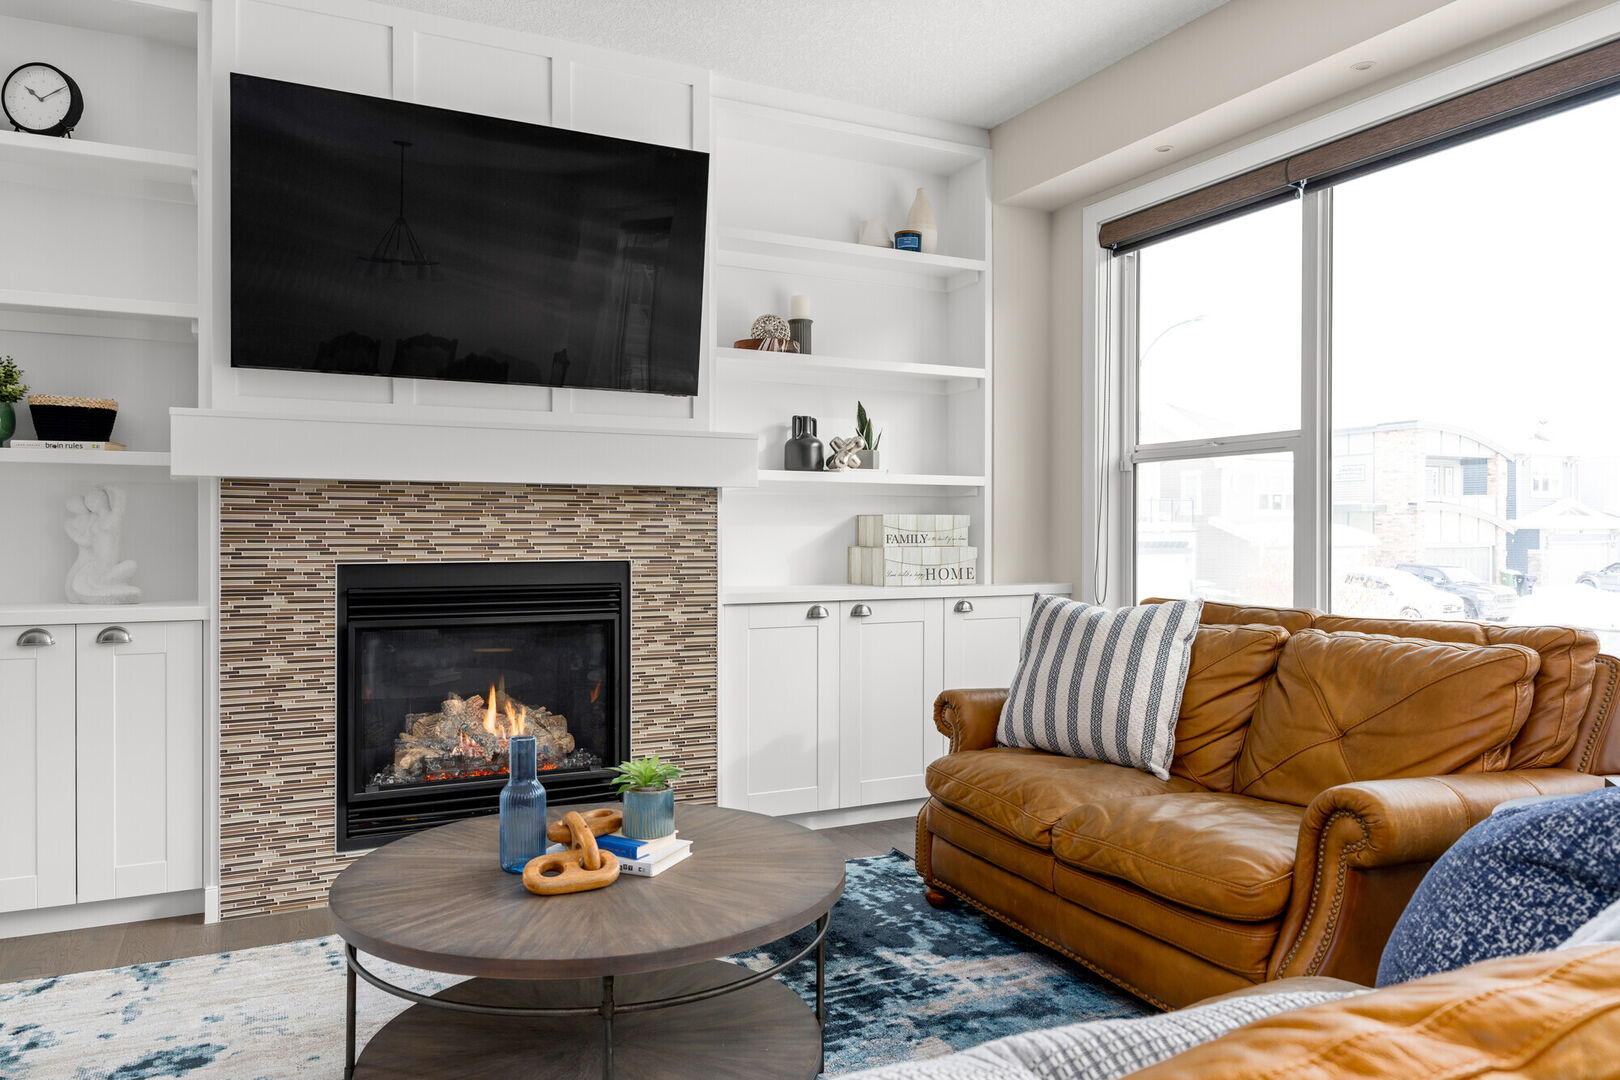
1563, 690
1563, 686
1549, 1014
1241, 947
1348, 706
1224, 854
1024, 792
1289, 619
1229, 669
1467, 633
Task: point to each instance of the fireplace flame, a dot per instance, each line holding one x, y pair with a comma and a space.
489, 717
516, 722
596, 692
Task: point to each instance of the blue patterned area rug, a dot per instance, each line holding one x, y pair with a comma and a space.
903, 982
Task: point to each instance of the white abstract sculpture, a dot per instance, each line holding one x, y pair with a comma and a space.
845, 453
96, 523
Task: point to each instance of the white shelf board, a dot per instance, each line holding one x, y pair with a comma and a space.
830, 483
753, 365
764, 125
28, 455
763, 250
105, 316
811, 594
161, 20
57, 614
103, 166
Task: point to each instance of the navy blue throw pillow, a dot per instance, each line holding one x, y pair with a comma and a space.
1521, 881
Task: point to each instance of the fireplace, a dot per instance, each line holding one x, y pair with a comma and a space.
440, 664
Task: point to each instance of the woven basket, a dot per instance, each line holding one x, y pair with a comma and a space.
72, 418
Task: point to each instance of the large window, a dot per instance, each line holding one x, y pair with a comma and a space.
1382, 398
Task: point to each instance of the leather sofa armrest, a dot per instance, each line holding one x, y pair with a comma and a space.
1364, 847
969, 717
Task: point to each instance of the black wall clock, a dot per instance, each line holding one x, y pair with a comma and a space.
42, 99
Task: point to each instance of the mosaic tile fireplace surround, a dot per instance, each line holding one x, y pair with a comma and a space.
280, 544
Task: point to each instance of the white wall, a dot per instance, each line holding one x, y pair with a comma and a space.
1021, 429
375, 49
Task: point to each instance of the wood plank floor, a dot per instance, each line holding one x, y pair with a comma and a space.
43, 955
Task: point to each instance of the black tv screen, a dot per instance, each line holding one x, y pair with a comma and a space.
379, 237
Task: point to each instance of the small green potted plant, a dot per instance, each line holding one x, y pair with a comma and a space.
12, 391
649, 798
869, 435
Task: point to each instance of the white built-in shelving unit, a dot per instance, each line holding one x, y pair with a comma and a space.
99, 292
905, 333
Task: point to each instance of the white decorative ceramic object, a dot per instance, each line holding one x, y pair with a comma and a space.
96, 523
845, 453
770, 326
921, 218
874, 233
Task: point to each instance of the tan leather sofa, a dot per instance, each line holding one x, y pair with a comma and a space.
1276, 848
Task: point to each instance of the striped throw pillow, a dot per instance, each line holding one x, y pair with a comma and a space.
1102, 684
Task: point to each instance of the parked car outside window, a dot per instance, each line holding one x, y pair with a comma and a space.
1381, 592
1606, 578
1480, 599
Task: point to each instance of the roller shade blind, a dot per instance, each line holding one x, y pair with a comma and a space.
1562, 84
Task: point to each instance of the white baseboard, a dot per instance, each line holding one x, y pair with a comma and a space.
857, 815
211, 904
100, 913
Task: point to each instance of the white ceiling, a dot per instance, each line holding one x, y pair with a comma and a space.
974, 62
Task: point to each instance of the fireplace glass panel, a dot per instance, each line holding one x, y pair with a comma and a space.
439, 704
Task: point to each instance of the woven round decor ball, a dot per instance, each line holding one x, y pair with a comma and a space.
767, 326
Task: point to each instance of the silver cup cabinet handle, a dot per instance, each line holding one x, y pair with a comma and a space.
114, 635
818, 611
36, 637
964, 607
861, 611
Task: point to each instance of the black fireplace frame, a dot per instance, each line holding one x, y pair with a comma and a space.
388, 595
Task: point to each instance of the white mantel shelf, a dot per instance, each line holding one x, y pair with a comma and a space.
150, 611
210, 442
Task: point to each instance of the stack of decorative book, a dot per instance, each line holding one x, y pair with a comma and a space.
912, 549
63, 444
645, 858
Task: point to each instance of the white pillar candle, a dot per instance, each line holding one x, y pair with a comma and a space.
799, 308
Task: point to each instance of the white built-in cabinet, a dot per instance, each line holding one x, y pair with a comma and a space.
829, 705
103, 725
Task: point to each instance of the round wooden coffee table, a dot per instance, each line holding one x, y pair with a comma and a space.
618, 982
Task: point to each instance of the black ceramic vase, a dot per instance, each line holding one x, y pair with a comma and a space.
802, 453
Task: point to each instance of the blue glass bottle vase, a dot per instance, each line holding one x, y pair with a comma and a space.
523, 808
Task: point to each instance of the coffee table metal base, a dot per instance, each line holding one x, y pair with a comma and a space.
712, 1020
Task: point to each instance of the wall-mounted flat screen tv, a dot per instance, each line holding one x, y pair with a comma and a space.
379, 237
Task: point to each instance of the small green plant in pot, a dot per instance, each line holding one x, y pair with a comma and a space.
12, 391
649, 797
869, 435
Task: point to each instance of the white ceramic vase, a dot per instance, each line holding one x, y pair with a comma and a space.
874, 233
921, 219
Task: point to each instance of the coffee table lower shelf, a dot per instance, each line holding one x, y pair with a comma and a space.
760, 1031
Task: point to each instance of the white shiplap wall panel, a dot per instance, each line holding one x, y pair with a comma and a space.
510, 83
291, 43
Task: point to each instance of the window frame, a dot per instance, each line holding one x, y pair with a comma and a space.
1107, 449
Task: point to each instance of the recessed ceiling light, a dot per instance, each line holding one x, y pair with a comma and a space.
1363, 65
1163, 149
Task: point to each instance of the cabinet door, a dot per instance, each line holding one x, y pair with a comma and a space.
890, 674
982, 641
779, 709
140, 759
36, 797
